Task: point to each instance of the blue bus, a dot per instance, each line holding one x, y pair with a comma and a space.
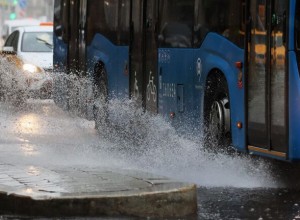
231, 68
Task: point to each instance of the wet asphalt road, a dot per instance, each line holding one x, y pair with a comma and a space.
282, 202
263, 189
235, 203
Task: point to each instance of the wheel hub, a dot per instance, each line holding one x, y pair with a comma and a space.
219, 122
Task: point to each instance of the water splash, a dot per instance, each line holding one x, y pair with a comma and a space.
133, 140
147, 142
12, 82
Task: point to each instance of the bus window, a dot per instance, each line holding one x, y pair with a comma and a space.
176, 23
61, 19
95, 19
123, 35
104, 17
297, 32
58, 4
297, 26
224, 17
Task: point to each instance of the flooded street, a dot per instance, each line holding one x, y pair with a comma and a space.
124, 108
229, 186
248, 203
43, 133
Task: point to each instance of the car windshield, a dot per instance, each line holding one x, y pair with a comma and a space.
37, 42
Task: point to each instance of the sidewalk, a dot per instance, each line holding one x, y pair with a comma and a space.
85, 191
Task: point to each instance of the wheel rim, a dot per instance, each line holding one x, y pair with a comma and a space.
216, 121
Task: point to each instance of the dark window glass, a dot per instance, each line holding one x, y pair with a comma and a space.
57, 18
16, 41
176, 23
61, 21
109, 18
185, 23
12, 40
225, 17
297, 26
124, 8
297, 32
37, 42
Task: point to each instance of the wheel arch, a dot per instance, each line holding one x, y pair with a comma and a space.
213, 75
236, 102
216, 81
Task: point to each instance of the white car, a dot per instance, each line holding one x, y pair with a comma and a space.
33, 46
10, 25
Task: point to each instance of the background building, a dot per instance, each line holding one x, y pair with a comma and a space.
40, 9
24, 9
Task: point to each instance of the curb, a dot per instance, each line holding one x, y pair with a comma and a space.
67, 192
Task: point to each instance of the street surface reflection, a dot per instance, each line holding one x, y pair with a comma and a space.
230, 186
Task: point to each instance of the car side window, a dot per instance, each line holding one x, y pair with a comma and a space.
12, 40
16, 41
9, 40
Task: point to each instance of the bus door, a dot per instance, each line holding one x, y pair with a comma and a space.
60, 51
73, 36
76, 49
82, 37
143, 54
267, 77
76, 55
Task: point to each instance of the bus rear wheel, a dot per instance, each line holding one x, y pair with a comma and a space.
217, 119
100, 108
217, 114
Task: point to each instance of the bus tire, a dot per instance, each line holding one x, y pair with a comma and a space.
100, 107
217, 113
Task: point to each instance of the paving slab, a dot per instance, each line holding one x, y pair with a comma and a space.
92, 191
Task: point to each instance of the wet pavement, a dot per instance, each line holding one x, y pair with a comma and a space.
243, 203
46, 152
32, 184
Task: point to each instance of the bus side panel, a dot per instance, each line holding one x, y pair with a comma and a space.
115, 59
294, 108
217, 52
176, 86
60, 54
182, 77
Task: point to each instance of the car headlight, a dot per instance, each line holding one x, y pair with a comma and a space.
31, 68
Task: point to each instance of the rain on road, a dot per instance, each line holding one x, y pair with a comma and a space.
229, 186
